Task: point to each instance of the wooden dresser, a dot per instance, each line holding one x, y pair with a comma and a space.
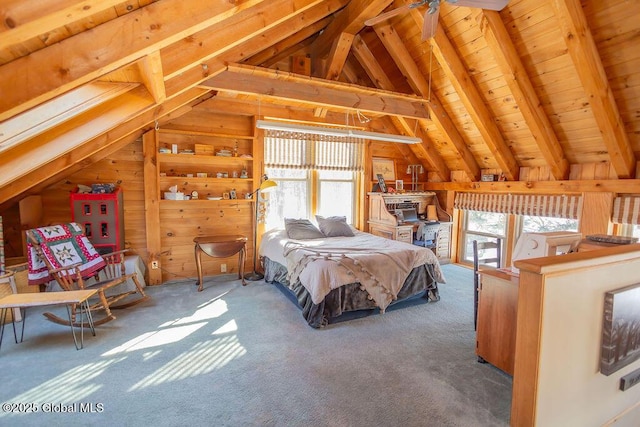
497, 314
382, 222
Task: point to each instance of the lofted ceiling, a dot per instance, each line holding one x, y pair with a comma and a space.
542, 84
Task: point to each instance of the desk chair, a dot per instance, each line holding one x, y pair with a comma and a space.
479, 258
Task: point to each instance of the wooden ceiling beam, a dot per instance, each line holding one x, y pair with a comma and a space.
214, 40
20, 21
424, 151
350, 20
107, 141
338, 56
42, 118
584, 53
370, 64
279, 50
515, 74
204, 69
72, 62
316, 92
452, 65
540, 187
150, 67
400, 54
339, 36
253, 107
35, 153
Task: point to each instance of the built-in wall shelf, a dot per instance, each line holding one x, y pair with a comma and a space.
207, 156
205, 134
202, 160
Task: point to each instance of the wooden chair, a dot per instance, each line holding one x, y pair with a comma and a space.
478, 259
64, 254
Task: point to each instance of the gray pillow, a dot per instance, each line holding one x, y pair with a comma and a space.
301, 229
334, 226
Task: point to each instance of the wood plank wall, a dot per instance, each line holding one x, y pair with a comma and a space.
179, 226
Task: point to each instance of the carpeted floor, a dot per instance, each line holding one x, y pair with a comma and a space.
244, 356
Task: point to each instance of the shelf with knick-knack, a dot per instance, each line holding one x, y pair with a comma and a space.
202, 159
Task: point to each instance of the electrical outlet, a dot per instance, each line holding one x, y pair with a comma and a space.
155, 264
223, 268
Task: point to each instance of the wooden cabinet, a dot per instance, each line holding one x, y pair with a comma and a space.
497, 314
102, 218
402, 233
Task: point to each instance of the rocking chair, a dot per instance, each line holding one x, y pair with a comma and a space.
64, 254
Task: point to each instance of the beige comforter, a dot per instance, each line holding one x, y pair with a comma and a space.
380, 265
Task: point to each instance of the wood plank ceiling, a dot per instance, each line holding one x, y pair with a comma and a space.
542, 85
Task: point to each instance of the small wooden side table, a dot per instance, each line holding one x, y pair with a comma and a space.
220, 247
39, 299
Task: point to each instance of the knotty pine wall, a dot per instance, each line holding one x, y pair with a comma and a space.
178, 227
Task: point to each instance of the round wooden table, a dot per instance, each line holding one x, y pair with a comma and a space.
220, 247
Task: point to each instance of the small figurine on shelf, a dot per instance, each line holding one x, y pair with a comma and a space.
235, 149
243, 174
232, 194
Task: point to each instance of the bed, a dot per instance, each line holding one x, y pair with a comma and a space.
333, 275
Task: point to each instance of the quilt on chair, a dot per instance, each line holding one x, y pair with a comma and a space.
63, 245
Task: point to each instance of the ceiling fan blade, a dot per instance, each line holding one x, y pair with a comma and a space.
482, 4
387, 15
430, 24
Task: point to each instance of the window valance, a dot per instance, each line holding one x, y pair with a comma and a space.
556, 206
283, 149
626, 210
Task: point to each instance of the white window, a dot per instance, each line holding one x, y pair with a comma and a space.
316, 174
541, 224
482, 226
305, 193
290, 199
336, 194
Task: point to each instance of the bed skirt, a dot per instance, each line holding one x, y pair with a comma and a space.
349, 298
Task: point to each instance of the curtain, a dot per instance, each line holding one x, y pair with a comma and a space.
556, 206
283, 149
626, 210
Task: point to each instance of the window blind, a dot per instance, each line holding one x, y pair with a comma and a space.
284, 149
556, 206
626, 210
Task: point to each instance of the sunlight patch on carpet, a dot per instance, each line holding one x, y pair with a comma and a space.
156, 338
74, 385
230, 326
203, 358
210, 310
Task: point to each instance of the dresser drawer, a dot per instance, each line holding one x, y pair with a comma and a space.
405, 236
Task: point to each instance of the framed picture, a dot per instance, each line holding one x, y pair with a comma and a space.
620, 333
399, 185
384, 167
